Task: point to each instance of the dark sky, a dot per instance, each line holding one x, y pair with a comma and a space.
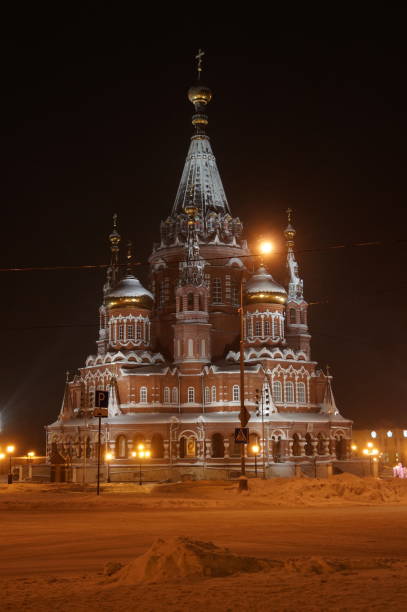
96, 121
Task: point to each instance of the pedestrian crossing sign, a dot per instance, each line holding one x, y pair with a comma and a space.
242, 435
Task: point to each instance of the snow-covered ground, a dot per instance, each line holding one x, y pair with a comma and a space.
337, 544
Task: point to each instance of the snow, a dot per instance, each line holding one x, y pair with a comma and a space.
287, 544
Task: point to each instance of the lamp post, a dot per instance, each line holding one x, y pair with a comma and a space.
255, 451
108, 458
10, 450
141, 453
30, 457
372, 453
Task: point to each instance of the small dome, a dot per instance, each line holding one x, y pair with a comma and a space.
263, 288
199, 94
130, 291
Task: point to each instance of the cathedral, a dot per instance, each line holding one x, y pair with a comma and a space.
170, 355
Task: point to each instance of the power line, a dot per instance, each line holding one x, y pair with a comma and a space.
349, 245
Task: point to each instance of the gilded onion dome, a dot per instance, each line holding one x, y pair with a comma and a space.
129, 291
263, 288
199, 94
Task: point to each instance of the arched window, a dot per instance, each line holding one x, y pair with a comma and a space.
143, 395
139, 330
190, 301
187, 446
277, 391
217, 291
166, 395
276, 325
157, 446
190, 347
266, 328
289, 392
213, 393
191, 395
121, 447
301, 399
207, 395
218, 447
174, 395
121, 332
276, 448
130, 331
258, 328
203, 347
293, 315
236, 393
303, 317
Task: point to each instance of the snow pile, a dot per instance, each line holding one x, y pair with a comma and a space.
344, 488
180, 558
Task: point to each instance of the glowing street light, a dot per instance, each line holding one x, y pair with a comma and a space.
108, 458
10, 450
255, 450
30, 457
266, 247
141, 453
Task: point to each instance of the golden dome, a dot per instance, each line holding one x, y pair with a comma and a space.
199, 94
130, 292
262, 287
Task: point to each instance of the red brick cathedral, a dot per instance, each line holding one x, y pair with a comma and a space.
169, 355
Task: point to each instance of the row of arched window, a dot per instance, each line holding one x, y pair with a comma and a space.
262, 327
290, 397
123, 331
171, 396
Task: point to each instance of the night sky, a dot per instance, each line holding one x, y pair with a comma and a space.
96, 121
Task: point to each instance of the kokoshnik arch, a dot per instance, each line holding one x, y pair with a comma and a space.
170, 355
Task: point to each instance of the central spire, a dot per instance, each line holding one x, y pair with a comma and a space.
200, 186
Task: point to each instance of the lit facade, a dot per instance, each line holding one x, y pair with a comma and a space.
169, 355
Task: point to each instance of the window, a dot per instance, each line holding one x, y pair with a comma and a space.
293, 315
289, 392
166, 395
121, 447
203, 347
139, 335
277, 391
258, 328
174, 395
217, 291
143, 394
266, 328
121, 332
130, 331
207, 395
236, 393
214, 393
301, 393
191, 395
276, 328
235, 296
190, 301
190, 348
303, 317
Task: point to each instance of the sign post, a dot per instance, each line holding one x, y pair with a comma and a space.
100, 412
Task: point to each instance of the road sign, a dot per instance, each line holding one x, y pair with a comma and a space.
242, 435
101, 398
100, 412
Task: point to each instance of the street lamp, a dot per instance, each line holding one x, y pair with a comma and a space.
255, 451
372, 453
30, 457
266, 247
141, 453
10, 450
108, 458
